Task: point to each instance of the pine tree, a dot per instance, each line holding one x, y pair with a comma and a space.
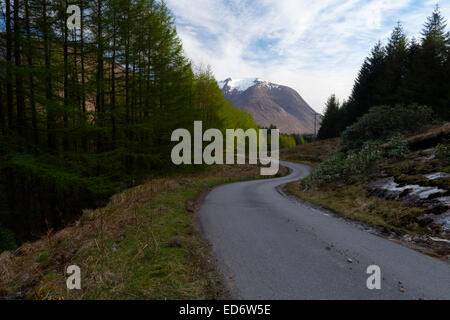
427, 77
366, 90
86, 112
330, 125
396, 66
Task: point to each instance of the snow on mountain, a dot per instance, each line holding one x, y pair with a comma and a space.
244, 84
270, 103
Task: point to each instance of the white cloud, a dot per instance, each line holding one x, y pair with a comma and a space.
316, 47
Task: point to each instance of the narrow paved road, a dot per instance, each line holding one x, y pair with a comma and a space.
273, 247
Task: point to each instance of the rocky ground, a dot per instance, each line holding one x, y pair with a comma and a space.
406, 199
418, 181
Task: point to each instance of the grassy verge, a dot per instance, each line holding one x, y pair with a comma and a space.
142, 245
348, 197
311, 153
351, 201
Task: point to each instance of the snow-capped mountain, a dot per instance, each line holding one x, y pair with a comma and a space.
270, 103
241, 85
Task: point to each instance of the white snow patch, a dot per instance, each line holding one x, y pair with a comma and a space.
437, 175
244, 84
439, 240
414, 190
238, 84
442, 219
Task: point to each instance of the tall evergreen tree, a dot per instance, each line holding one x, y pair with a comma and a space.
427, 78
366, 90
395, 68
87, 112
330, 122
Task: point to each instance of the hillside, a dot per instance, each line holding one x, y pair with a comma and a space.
271, 104
403, 194
144, 244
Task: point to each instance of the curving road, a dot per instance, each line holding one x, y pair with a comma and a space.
269, 246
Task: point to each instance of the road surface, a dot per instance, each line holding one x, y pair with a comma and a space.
270, 246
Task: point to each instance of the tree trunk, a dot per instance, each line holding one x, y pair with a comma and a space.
113, 86
51, 121
100, 74
66, 83
31, 78
83, 83
20, 100
9, 78
2, 112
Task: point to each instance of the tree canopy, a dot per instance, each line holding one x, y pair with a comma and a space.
404, 71
87, 112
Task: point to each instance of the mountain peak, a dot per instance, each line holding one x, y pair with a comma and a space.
243, 84
270, 103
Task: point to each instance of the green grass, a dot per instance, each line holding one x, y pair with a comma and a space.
348, 198
351, 201
143, 245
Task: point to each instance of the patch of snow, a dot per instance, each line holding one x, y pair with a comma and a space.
244, 84
390, 185
442, 219
424, 192
437, 175
240, 85
273, 86
440, 240
414, 192
445, 201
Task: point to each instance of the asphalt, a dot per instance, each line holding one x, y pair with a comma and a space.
269, 246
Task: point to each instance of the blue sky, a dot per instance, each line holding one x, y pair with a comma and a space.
316, 47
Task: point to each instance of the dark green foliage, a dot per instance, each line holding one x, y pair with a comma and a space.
443, 150
366, 91
42, 196
397, 147
428, 76
7, 240
87, 113
402, 72
330, 122
303, 138
344, 165
395, 67
384, 122
286, 141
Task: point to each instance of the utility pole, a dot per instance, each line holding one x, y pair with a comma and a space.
315, 122
315, 127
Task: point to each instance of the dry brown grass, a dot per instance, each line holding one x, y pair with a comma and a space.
311, 153
430, 137
142, 245
351, 201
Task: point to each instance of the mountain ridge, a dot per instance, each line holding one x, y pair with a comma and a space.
271, 104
